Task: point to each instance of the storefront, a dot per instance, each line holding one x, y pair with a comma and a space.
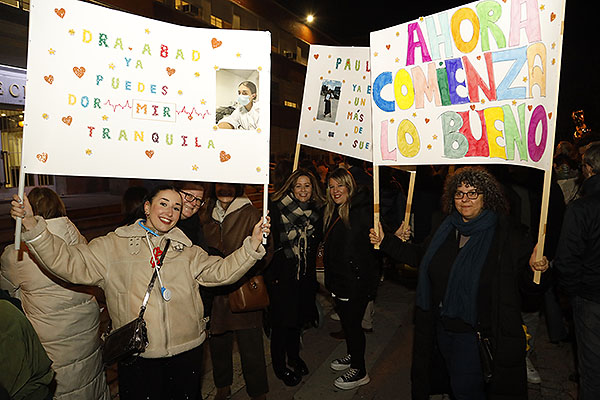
12, 102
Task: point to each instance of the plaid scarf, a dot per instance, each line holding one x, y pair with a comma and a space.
297, 224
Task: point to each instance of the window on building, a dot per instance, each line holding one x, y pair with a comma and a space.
216, 21
290, 104
186, 7
17, 3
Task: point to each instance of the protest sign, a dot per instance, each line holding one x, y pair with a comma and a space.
118, 95
476, 84
336, 106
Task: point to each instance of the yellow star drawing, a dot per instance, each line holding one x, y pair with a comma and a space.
105, 118
414, 114
194, 167
375, 54
71, 32
238, 55
514, 102
147, 31
428, 147
51, 51
88, 152
435, 137
525, 79
180, 92
202, 101
111, 66
542, 7
196, 74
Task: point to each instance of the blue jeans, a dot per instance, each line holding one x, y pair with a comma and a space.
586, 319
461, 354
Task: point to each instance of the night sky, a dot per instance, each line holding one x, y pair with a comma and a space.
350, 22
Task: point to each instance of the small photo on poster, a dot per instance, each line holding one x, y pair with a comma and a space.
237, 99
329, 98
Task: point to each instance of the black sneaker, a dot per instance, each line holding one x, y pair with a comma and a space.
353, 378
340, 364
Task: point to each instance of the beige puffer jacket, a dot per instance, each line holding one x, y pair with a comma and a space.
119, 263
65, 319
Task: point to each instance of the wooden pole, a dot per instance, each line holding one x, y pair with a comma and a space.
409, 197
543, 222
21, 191
296, 157
376, 210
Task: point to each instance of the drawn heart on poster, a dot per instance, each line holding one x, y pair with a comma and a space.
387, 46
170, 71
552, 17
472, 107
427, 120
60, 12
549, 115
316, 56
79, 71
67, 120
529, 107
224, 157
215, 43
43, 157
49, 79
149, 153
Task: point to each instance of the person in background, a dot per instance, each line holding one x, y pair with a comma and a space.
577, 263
228, 218
122, 264
246, 115
25, 372
291, 276
471, 274
192, 194
352, 269
66, 317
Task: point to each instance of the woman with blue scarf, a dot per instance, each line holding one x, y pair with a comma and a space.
471, 273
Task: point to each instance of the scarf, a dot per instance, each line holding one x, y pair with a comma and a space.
460, 299
297, 225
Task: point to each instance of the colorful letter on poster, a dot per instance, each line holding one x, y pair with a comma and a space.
475, 84
336, 107
114, 94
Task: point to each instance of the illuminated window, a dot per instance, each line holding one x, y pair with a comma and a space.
290, 104
215, 21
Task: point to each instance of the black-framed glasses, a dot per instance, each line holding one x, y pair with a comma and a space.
471, 195
191, 198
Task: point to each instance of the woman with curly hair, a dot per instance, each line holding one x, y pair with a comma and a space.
471, 273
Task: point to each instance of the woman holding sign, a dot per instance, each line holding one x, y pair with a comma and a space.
351, 269
471, 274
122, 264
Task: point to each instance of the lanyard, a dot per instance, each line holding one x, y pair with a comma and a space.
157, 255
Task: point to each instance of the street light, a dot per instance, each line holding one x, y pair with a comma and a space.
310, 18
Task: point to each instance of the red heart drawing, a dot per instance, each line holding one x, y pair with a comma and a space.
316, 56
79, 71
529, 107
309, 108
170, 71
43, 157
60, 12
215, 43
67, 120
149, 153
550, 115
427, 120
552, 17
224, 156
472, 107
49, 79
387, 46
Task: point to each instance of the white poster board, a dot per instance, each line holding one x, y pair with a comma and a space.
475, 84
336, 106
118, 95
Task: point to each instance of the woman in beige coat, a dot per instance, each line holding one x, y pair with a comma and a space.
64, 316
121, 263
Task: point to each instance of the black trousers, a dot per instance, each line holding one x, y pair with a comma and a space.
176, 377
285, 344
252, 354
351, 314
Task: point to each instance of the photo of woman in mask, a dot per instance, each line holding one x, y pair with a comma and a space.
246, 113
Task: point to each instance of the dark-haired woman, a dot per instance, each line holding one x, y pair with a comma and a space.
351, 269
471, 273
122, 264
65, 317
291, 277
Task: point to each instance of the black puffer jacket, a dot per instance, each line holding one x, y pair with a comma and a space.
577, 258
352, 266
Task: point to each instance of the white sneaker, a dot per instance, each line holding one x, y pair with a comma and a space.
353, 378
334, 316
533, 376
340, 364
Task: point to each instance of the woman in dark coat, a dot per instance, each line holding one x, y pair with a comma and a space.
291, 276
351, 269
472, 272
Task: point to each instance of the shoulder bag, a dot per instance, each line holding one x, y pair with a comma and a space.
320, 261
251, 296
130, 340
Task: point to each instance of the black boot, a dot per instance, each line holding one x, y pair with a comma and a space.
289, 377
299, 366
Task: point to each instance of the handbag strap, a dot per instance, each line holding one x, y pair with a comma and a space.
330, 228
151, 284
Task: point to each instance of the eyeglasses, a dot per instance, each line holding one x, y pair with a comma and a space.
191, 198
471, 195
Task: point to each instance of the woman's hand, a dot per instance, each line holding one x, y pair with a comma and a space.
262, 228
376, 237
403, 232
22, 209
538, 265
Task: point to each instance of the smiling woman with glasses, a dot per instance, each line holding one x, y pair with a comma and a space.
472, 272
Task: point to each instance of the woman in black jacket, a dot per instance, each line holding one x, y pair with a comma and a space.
471, 274
291, 277
351, 269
